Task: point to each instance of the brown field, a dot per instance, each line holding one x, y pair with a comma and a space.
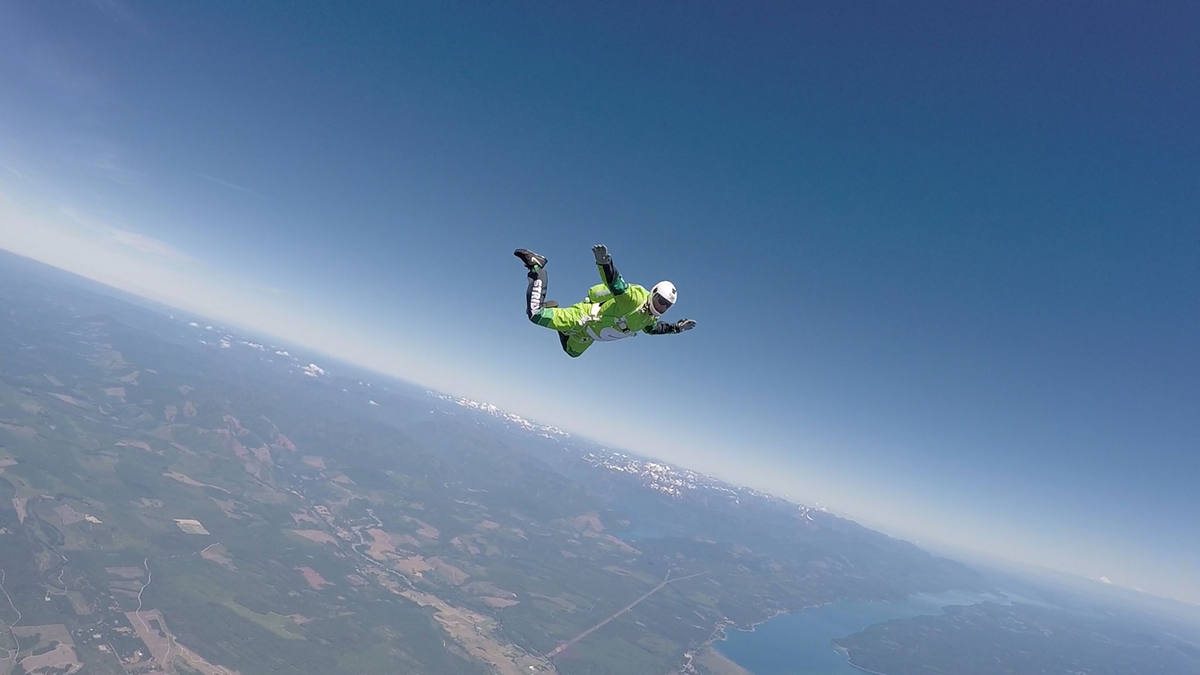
314, 461
235, 425
140, 445
19, 504
116, 392
263, 454
313, 578
170, 412
218, 555
190, 526
620, 544
406, 540
462, 545
68, 399
20, 430
501, 603
188, 480
468, 629
414, 565
152, 630
317, 536
68, 515
447, 572
62, 656
381, 544
425, 529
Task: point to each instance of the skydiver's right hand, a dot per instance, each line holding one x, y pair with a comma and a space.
685, 324
601, 253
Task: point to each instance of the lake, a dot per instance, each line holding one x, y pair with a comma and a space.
799, 643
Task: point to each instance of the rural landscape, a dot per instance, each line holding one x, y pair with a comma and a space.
179, 498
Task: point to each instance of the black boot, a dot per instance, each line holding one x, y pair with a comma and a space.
531, 259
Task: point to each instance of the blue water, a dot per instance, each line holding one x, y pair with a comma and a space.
799, 643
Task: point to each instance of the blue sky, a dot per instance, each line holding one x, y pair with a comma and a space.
944, 257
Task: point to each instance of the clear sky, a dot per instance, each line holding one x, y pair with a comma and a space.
945, 257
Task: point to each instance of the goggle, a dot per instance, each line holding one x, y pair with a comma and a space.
660, 303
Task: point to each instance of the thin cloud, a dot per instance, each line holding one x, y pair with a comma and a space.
101, 156
117, 173
16, 173
147, 245
231, 186
133, 242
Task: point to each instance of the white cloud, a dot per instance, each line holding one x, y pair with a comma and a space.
137, 243
313, 370
91, 248
147, 245
1105, 580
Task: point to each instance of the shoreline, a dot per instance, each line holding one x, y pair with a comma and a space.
719, 633
846, 654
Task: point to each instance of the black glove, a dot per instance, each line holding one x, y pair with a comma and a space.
685, 324
601, 253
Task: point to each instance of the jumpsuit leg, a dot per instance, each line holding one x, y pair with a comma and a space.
575, 345
535, 293
565, 320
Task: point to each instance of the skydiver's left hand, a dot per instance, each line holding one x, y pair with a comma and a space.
685, 324
601, 253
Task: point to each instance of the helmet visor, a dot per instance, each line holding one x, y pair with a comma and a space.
659, 304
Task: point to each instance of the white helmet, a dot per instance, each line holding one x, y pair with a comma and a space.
662, 296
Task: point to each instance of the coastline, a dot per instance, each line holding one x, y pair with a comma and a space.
719, 634
846, 653
917, 606
708, 650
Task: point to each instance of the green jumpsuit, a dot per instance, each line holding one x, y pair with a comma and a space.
613, 310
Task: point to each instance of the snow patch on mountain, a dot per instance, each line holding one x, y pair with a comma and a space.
544, 430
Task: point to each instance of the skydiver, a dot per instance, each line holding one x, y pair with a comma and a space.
613, 309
